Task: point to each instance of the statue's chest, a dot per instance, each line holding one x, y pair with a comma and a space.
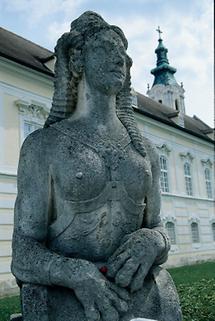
81, 172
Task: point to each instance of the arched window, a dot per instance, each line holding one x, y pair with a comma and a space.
164, 182
208, 182
213, 230
188, 179
195, 232
170, 227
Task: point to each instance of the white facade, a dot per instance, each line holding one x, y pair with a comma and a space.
25, 99
178, 206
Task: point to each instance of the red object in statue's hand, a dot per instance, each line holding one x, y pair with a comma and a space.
103, 269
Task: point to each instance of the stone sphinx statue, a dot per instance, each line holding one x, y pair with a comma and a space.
88, 238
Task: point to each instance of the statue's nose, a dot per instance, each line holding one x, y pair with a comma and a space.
118, 59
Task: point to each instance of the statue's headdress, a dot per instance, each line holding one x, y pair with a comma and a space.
68, 72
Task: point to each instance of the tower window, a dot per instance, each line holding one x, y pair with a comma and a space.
176, 104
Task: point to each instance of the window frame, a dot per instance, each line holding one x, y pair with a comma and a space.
32, 112
213, 231
198, 240
208, 183
188, 178
164, 175
174, 243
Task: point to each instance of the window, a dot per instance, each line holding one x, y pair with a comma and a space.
195, 232
208, 182
29, 127
188, 179
160, 101
170, 227
32, 116
164, 182
213, 231
176, 104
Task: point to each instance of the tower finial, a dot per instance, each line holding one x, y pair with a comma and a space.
159, 31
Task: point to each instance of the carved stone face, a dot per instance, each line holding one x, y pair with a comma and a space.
105, 62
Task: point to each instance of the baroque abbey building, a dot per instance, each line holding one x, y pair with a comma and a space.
185, 145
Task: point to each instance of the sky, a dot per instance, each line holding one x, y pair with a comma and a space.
187, 27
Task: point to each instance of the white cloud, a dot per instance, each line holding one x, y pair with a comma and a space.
35, 10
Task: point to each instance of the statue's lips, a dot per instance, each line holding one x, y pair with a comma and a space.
117, 73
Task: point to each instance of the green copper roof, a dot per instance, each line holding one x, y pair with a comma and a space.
164, 73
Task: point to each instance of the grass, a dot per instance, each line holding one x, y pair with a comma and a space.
196, 289
8, 306
195, 285
193, 273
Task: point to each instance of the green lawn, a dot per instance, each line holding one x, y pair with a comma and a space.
196, 288
9, 306
193, 273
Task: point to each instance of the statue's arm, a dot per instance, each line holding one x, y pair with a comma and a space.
147, 246
32, 261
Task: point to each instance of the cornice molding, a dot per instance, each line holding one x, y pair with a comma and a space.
169, 218
194, 219
32, 109
26, 71
186, 156
164, 148
206, 162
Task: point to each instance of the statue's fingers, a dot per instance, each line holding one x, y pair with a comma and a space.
108, 312
120, 250
91, 312
115, 264
125, 274
138, 280
122, 293
118, 303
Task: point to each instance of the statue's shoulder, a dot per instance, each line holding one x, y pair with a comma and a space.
39, 141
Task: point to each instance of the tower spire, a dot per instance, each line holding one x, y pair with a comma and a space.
165, 88
163, 73
159, 31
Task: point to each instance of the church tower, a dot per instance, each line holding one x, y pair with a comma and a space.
165, 88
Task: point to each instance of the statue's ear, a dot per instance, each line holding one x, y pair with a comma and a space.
76, 65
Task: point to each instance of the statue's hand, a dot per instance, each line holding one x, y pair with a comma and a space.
101, 299
131, 262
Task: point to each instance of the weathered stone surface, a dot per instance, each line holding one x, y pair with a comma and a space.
88, 239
